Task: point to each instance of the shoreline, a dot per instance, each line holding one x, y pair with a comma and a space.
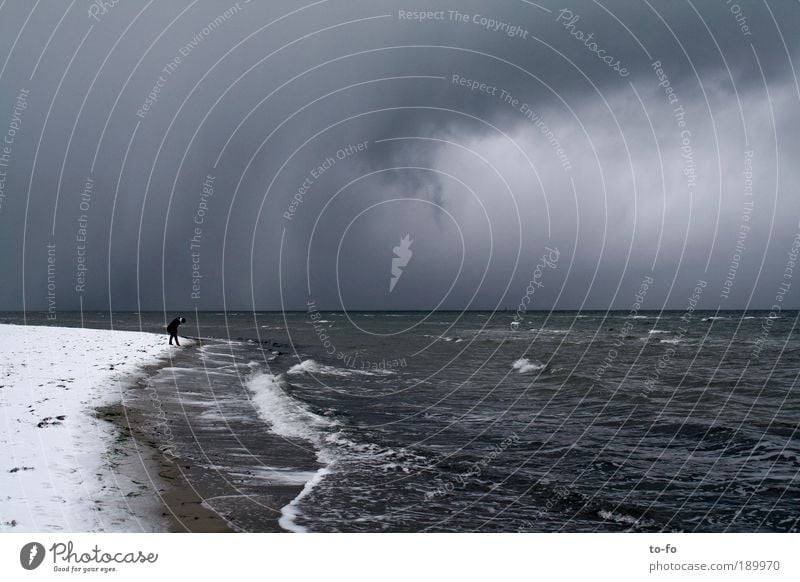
84, 427
99, 413
177, 502
197, 490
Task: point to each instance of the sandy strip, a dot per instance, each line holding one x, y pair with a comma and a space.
225, 465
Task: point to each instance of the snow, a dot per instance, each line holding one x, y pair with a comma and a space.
61, 468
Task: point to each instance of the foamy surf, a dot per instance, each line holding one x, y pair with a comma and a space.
291, 511
314, 367
288, 417
524, 366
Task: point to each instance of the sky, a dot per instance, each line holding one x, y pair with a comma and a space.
362, 155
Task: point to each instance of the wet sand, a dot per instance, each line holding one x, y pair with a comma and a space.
208, 473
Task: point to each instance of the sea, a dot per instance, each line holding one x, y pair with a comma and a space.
467, 422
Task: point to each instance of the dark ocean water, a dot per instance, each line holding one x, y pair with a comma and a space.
455, 422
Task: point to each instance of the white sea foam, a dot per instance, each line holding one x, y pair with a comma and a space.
617, 517
444, 338
546, 330
310, 367
287, 416
524, 365
291, 418
291, 511
314, 367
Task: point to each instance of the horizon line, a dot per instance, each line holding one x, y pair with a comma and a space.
530, 311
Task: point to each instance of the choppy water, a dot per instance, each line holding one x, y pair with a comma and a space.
573, 422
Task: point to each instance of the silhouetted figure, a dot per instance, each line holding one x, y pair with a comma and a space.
172, 329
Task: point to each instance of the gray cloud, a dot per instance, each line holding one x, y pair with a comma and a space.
591, 165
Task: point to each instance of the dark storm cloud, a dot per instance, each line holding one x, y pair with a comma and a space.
210, 158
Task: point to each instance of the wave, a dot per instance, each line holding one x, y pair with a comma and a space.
553, 331
524, 365
287, 416
291, 511
623, 518
314, 367
444, 338
290, 417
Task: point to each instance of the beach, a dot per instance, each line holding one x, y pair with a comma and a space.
109, 431
72, 461
65, 468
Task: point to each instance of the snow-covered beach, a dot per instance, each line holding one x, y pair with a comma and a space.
62, 468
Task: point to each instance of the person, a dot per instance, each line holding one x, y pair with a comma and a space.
172, 329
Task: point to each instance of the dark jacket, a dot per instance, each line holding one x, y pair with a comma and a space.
172, 328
